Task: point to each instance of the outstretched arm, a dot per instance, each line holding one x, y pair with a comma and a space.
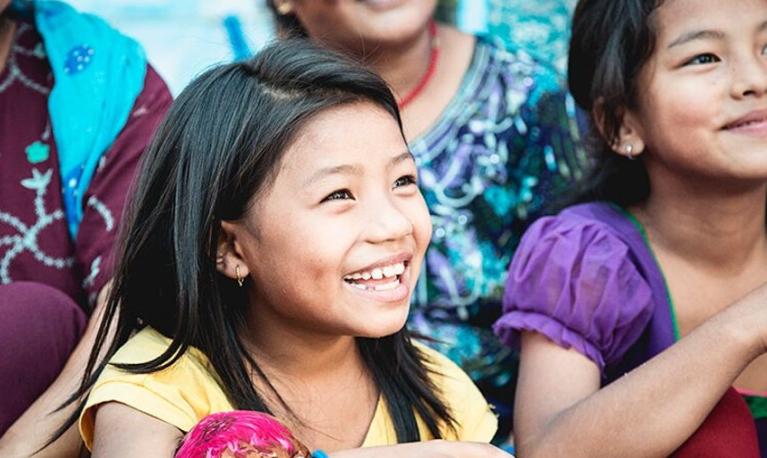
561, 411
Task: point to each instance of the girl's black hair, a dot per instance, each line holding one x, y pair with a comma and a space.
611, 42
219, 145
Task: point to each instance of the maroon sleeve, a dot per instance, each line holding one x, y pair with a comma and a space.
107, 193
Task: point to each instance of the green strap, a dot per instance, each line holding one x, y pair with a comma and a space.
757, 405
643, 232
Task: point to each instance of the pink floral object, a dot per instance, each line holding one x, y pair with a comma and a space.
241, 434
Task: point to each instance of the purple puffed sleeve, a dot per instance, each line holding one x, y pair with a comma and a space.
574, 281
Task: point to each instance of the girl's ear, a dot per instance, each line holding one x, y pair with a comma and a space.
630, 141
283, 7
230, 260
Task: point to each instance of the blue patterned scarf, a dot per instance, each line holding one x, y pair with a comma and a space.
98, 74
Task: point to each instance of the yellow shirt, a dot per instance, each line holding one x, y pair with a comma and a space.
186, 392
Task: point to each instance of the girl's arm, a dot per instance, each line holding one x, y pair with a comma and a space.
430, 449
122, 431
651, 411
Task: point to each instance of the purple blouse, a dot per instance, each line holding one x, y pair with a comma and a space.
566, 278
586, 279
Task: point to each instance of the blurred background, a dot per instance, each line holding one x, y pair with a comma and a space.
184, 37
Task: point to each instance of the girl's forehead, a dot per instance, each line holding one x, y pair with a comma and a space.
357, 129
676, 17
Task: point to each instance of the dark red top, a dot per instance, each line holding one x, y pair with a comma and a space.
34, 241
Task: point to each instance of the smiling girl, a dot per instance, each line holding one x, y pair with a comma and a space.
267, 264
637, 309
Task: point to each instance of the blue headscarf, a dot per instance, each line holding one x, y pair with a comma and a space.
98, 74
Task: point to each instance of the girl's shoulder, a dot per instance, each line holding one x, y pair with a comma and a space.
180, 394
585, 279
588, 223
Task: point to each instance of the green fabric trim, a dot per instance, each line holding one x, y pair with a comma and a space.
643, 232
757, 405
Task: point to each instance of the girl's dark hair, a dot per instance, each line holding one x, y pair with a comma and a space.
610, 43
221, 144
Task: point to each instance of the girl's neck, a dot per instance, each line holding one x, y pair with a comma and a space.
717, 227
295, 354
317, 384
402, 65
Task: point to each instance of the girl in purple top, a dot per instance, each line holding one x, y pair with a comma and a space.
638, 310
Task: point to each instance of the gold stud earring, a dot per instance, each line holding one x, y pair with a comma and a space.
240, 280
284, 7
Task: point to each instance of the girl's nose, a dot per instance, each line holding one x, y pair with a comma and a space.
750, 78
387, 222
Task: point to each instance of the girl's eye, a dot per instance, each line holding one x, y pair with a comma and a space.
764, 49
405, 181
702, 59
341, 194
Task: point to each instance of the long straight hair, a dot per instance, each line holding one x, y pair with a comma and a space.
219, 146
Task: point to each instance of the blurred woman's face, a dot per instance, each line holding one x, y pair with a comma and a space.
357, 25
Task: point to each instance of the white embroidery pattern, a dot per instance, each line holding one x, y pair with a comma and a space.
95, 271
14, 72
26, 237
102, 210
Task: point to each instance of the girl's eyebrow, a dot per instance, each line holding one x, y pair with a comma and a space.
352, 169
345, 169
706, 35
402, 157
697, 35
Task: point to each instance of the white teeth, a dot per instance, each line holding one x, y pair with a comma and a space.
387, 286
379, 272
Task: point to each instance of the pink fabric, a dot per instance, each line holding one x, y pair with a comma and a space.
241, 434
728, 432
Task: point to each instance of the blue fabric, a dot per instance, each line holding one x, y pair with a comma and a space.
319, 454
540, 28
237, 40
98, 74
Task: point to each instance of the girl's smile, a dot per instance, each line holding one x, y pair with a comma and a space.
753, 123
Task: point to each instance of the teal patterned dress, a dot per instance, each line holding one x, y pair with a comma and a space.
541, 27
503, 149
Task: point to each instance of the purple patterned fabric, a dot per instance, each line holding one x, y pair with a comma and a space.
48, 280
35, 244
586, 280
